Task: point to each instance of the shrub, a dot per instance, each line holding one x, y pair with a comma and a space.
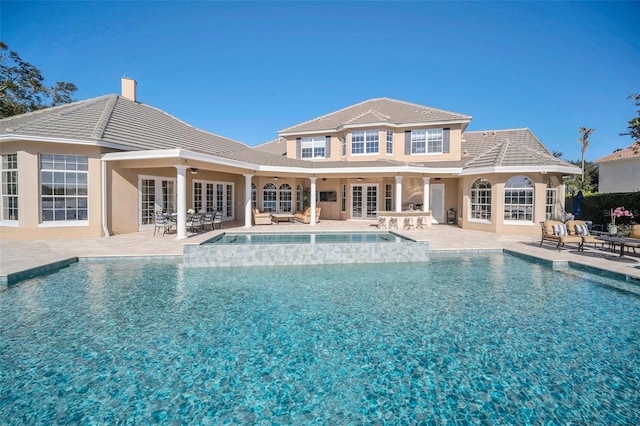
597, 207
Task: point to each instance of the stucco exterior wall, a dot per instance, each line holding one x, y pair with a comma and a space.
619, 176
30, 226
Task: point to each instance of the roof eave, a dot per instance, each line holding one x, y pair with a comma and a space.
464, 122
567, 170
48, 139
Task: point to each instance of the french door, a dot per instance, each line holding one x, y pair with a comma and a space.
213, 196
364, 201
155, 194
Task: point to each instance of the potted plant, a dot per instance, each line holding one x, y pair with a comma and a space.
618, 212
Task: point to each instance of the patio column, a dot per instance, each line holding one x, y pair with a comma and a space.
561, 199
425, 194
181, 194
313, 201
398, 193
247, 200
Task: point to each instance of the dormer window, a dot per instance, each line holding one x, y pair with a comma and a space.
313, 147
365, 142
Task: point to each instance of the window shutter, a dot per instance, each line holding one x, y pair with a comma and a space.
327, 147
407, 142
298, 148
445, 140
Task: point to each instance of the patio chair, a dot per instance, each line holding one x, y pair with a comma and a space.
195, 224
217, 219
261, 218
207, 220
162, 221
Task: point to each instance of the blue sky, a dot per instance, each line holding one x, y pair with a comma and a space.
245, 70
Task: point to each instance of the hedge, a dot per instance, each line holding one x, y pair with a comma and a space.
597, 207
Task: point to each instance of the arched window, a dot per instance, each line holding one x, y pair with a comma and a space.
551, 211
299, 198
480, 195
518, 199
269, 198
254, 196
284, 198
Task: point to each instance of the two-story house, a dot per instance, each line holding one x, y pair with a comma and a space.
103, 166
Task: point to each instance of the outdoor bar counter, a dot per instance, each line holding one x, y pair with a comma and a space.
400, 216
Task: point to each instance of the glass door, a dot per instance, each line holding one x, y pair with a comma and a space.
364, 201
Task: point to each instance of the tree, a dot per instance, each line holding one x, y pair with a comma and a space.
584, 139
634, 123
22, 86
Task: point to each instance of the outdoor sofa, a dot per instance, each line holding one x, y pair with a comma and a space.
261, 218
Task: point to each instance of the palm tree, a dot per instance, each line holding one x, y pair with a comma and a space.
584, 139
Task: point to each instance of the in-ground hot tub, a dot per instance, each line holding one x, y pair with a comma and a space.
310, 248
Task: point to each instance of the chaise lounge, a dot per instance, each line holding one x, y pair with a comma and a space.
556, 231
579, 228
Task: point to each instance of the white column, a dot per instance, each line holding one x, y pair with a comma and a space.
313, 201
181, 194
398, 193
425, 194
247, 201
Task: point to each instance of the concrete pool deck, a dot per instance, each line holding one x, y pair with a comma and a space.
22, 259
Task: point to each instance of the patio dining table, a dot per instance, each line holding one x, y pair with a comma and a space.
623, 242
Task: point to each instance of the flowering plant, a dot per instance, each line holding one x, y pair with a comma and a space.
618, 212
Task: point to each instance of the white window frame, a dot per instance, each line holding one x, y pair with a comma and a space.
519, 199
270, 197
9, 201
285, 198
62, 167
213, 196
427, 142
314, 147
389, 142
365, 142
480, 201
160, 203
551, 199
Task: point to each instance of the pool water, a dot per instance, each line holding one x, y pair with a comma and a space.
307, 238
478, 338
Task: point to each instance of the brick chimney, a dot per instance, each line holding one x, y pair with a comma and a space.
129, 88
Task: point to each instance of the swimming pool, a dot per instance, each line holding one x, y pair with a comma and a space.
475, 338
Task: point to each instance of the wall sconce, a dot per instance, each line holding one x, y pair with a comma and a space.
193, 171
359, 179
275, 178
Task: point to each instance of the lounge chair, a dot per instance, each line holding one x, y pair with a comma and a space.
305, 216
261, 218
556, 231
580, 228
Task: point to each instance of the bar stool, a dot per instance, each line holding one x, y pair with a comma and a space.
408, 223
393, 222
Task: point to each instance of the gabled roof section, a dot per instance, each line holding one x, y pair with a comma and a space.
628, 153
506, 148
381, 110
118, 122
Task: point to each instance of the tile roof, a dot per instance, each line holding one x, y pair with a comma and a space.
112, 120
380, 110
506, 148
628, 153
